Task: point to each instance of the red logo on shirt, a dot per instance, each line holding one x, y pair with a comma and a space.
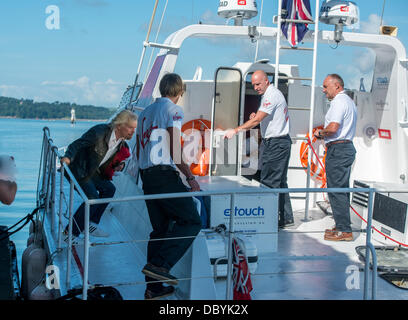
242, 2
176, 117
146, 134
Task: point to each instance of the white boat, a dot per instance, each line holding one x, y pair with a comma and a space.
290, 263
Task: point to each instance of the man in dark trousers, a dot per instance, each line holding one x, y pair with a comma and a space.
273, 118
89, 157
159, 154
338, 133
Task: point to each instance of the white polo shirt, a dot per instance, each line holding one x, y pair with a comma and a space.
273, 103
153, 139
344, 112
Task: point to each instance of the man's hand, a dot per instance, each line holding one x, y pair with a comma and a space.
230, 133
252, 115
317, 134
194, 185
65, 160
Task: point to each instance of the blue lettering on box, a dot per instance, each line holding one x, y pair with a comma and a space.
245, 212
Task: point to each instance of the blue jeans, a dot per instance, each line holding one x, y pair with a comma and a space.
339, 159
94, 188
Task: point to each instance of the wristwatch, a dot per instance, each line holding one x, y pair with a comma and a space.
190, 178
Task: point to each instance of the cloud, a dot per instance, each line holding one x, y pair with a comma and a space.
362, 67
81, 91
11, 90
209, 17
363, 59
372, 25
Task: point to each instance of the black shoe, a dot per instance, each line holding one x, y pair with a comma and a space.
289, 223
162, 293
159, 273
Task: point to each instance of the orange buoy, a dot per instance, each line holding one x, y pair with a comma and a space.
200, 167
317, 172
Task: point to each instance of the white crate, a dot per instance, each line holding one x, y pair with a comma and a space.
252, 212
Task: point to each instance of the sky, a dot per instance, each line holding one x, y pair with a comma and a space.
91, 54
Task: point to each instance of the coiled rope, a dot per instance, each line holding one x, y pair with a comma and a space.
26, 220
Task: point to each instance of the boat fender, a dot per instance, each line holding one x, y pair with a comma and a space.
30, 239
316, 172
35, 237
41, 292
37, 226
35, 232
33, 264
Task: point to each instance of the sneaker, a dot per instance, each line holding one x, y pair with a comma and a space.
287, 224
96, 231
339, 236
159, 273
162, 293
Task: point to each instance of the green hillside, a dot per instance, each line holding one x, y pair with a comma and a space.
28, 109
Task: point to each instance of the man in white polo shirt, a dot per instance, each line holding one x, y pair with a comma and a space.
159, 156
338, 133
273, 118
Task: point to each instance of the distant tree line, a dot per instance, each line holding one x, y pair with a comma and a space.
28, 109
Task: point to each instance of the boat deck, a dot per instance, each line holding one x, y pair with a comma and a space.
304, 267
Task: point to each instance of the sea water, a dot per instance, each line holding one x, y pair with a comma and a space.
22, 139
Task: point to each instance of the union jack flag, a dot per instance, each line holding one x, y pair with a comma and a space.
296, 10
240, 275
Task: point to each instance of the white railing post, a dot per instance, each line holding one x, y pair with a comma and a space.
278, 37
60, 205
86, 251
47, 177
230, 236
53, 168
369, 247
69, 251
45, 160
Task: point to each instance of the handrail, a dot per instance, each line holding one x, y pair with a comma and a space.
50, 147
225, 192
367, 255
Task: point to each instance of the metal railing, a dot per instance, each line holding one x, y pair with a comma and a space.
47, 192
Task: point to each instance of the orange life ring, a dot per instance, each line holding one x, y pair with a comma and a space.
316, 171
201, 167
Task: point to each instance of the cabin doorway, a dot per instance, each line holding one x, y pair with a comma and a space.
226, 111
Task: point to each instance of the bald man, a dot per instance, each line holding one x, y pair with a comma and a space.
273, 118
338, 133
